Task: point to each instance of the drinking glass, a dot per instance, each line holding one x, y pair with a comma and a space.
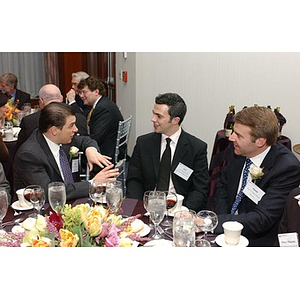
36, 196
157, 208
206, 221
171, 200
3, 205
183, 229
57, 196
114, 196
97, 192
145, 202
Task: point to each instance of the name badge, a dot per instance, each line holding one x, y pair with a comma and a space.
75, 165
288, 239
253, 192
183, 171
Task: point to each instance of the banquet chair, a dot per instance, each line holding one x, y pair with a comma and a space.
84, 171
121, 149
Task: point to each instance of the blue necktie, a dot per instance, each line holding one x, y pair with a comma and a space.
244, 181
65, 167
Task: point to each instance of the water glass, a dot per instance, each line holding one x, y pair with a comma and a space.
183, 229
114, 196
57, 196
97, 191
3, 205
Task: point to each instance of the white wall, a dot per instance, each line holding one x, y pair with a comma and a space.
209, 83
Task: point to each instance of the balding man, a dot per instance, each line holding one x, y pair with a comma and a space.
47, 94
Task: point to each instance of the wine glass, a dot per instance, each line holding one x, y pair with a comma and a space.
97, 191
171, 201
114, 196
157, 208
3, 205
57, 196
206, 221
35, 194
145, 202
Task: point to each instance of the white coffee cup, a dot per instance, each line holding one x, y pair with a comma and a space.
232, 232
9, 134
22, 201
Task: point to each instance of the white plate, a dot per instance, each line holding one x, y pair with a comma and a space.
221, 242
144, 231
16, 206
10, 140
159, 243
171, 213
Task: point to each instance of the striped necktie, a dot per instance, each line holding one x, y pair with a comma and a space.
88, 118
65, 166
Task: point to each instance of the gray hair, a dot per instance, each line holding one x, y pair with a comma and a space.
81, 75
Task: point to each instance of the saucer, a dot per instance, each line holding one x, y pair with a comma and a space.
221, 241
10, 140
159, 243
16, 206
171, 213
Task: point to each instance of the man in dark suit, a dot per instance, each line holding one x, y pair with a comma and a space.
189, 169
273, 171
37, 161
47, 94
104, 117
9, 84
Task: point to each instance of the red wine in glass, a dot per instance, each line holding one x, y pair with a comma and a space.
171, 203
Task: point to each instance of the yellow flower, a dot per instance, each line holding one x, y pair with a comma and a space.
68, 239
93, 225
83, 208
41, 242
41, 223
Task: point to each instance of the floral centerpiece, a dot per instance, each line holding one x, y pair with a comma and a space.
78, 226
11, 111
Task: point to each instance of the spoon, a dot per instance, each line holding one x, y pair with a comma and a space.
14, 222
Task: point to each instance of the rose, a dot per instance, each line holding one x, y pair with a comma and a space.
68, 239
93, 225
256, 172
56, 220
112, 240
73, 151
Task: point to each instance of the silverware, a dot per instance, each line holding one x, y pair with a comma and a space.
14, 222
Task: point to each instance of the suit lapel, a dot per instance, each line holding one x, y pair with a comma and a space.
155, 152
180, 151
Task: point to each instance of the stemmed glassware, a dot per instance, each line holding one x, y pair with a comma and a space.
114, 196
157, 208
97, 192
3, 205
171, 201
57, 196
36, 195
145, 202
206, 221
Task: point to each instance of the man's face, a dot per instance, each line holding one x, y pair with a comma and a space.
161, 119
74, 83
9, 89
66, 134
88, 97
242, 141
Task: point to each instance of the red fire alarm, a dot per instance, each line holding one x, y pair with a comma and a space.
124, 76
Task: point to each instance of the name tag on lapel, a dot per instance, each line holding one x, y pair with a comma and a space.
75, 165
183, 171
253, 192
288, 239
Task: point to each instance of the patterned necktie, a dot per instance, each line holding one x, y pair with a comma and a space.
244, 181
65, 167
165, 168
89, 116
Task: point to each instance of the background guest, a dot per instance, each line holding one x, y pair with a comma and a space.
276, 172
38, 160
9, 82
189, 170
47, 94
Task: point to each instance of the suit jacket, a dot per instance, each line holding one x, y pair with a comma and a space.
281, 174
35, 164
23, 97
144, 167
31, 122
103, 125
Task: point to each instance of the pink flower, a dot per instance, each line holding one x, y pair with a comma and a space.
112, 240
104, 230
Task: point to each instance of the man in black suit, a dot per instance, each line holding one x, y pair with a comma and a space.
273, 172
104, 117
189, 168
9, 84
47, 94
37, 161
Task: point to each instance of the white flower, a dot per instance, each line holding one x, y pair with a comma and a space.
73, 151
256, 172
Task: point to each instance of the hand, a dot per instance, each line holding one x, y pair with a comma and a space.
71, 96
107, 174
94, 157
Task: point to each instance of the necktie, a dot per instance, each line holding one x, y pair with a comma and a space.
65, 167
165, 168
89, 116
244, 181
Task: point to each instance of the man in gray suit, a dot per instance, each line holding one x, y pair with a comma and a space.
189, 169
37, 161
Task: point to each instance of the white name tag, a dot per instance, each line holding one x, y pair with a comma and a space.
75, 165
183, 171
288, 239
253, 192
